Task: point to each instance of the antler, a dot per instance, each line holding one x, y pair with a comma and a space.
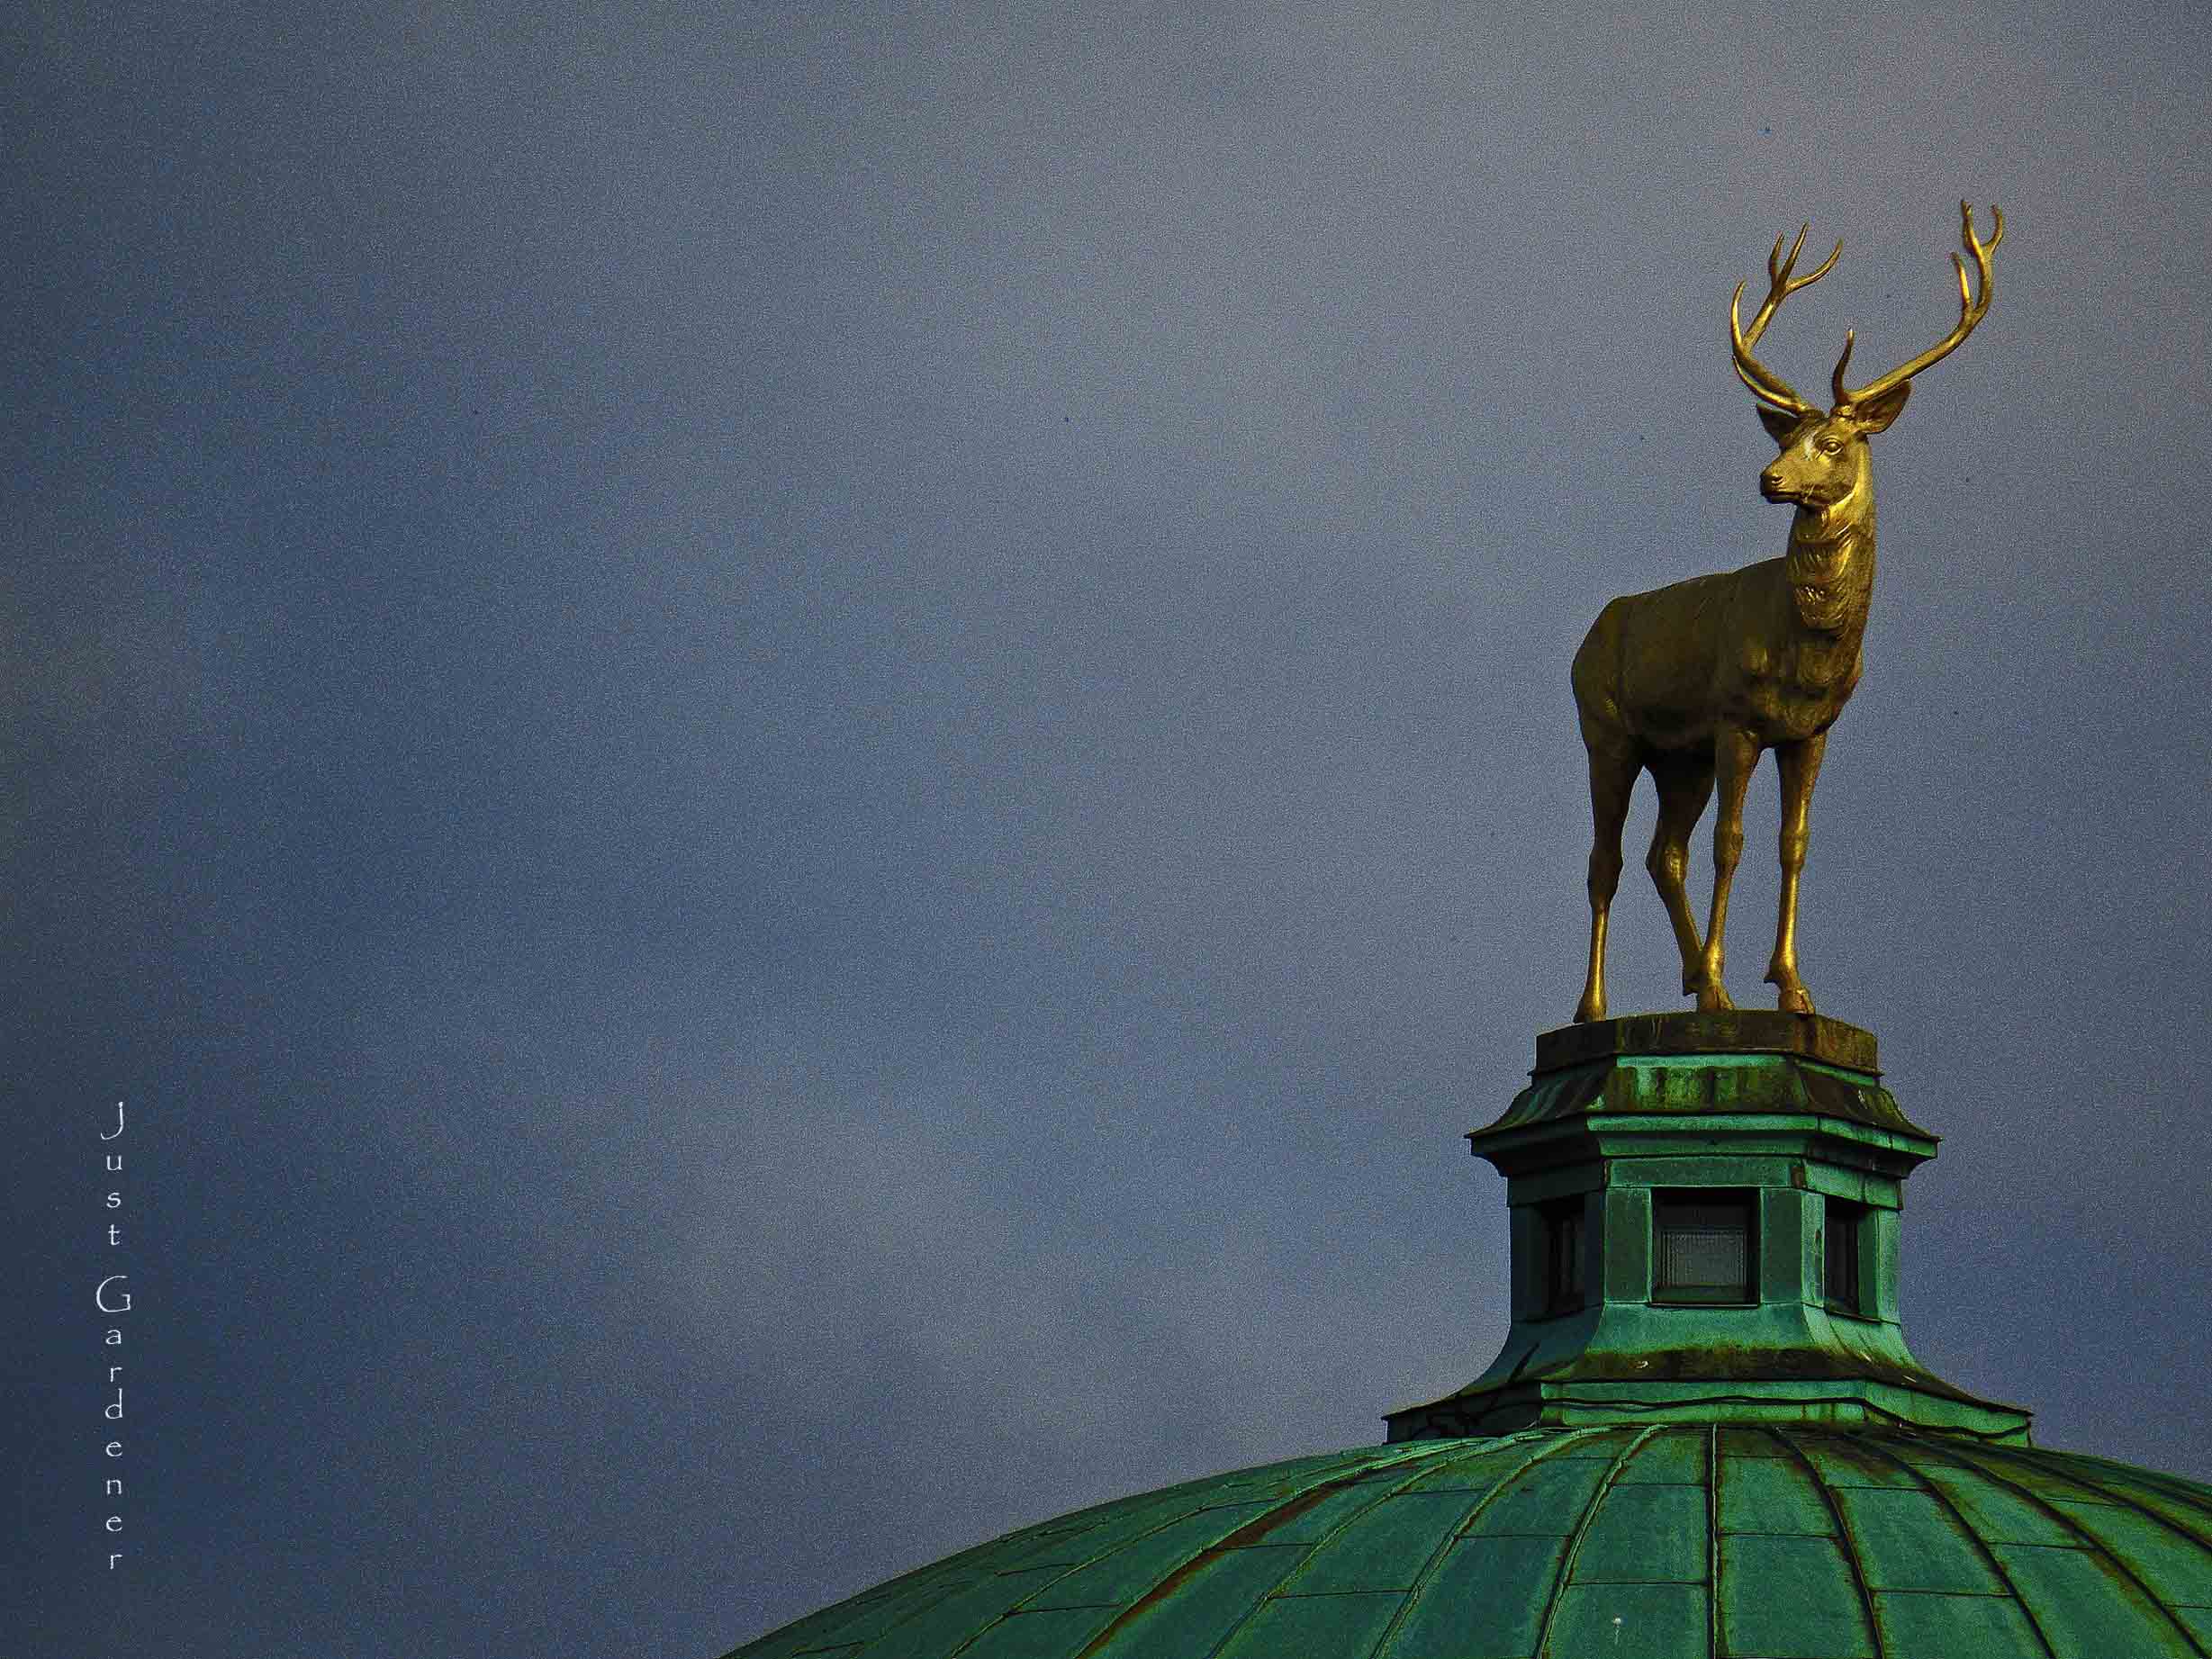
1763, 381
1971, 311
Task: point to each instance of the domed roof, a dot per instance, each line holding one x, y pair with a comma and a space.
1619, 1542
1704, 1434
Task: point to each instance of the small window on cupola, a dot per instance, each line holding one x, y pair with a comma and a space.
1563, 1252
1842, 1286
1704, 1248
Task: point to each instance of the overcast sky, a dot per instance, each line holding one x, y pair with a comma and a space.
802, 763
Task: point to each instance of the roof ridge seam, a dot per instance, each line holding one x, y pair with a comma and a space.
1953, 1455
1566, 1573
1988, 1554
1847, 1544
1543, 1448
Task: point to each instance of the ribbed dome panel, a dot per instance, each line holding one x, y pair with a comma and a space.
1664, 1542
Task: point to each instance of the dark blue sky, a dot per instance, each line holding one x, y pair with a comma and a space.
804, 763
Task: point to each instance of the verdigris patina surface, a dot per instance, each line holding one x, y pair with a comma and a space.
1692, 682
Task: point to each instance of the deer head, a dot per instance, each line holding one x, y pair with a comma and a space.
1824, 460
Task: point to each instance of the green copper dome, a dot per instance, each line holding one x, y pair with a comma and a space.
1672, 1541
1704, 1436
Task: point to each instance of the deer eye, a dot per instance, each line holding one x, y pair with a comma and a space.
1832, 446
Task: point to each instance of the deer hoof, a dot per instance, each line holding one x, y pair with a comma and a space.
1590, 1008
1712, 997
1790, 993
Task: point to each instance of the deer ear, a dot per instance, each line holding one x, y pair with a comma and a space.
1779, 423
1875, 414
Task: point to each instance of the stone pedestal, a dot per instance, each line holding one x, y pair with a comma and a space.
1706, 1215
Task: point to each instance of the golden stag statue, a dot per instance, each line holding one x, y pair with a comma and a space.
1692, 681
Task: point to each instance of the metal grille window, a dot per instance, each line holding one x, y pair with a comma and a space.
1705, 1246
1562, 1255
1846, 1227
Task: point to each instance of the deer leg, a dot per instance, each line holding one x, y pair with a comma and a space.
1735, 753
1612, 777
1800, 766
1685, 785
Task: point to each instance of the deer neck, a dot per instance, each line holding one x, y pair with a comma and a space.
1830, 564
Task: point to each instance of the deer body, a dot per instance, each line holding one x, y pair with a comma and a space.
1694, 681
1663, 669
